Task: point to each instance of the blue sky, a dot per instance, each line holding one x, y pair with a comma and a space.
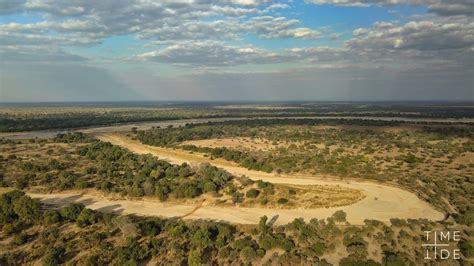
54, 50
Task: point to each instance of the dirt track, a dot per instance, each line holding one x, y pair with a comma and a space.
382, 202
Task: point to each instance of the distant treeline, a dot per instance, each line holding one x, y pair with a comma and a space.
77, 120
12, 121
251, 128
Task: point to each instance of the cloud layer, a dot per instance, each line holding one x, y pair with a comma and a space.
259, 43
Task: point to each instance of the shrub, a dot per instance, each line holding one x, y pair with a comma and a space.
241, 243
398, 222
392, 259
252, 193
262, 224
467, 217
72, 211
53, 256
248, 253
339, 216
354, 261
51, 216
20, 239
210, 187
201, 238
9, 229
318, 248
194, 257
262, 184
86, 217
282, 201
467, 248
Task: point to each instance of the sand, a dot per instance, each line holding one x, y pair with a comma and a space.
382, 202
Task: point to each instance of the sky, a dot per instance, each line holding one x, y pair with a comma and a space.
236, 50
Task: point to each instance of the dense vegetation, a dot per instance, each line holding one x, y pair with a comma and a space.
80, 236
435, 161
65, 119
60, 116
89, 163
76, 161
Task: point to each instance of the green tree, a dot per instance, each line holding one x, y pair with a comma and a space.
248, 253
27, 208
53, 256
201, 238
136, 191
339, 216
86, 217
72, 211
51, 216
318, 248
7, 213
210, 187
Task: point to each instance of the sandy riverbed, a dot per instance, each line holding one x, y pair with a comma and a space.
382, 202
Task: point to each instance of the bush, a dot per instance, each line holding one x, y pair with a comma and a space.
210, 187
86, 217
9, 229
393, 259
53, 256
241, 243
151, 227
51, 217
27, 208
339, 216
194, 257
15, 206
354, 261
269, 241
136, 191
201, 238
467, 217
252, 193
467, 248
248, 253
262, 184
398, 222
20, 239
72, 211
282, 201
318, 248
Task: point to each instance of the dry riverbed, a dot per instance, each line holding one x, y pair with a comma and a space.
382, 202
